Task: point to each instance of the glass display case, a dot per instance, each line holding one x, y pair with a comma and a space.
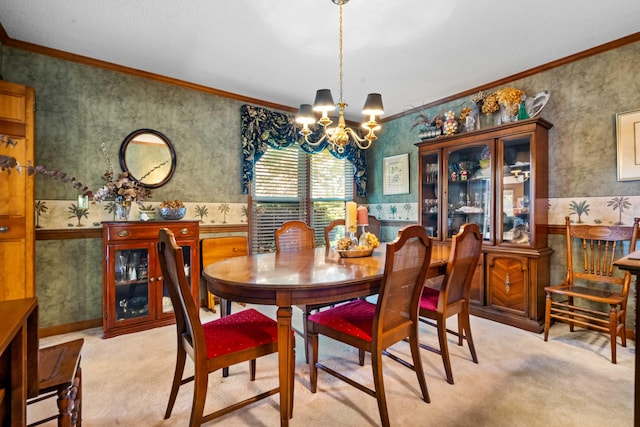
469, 189
135, 297
496, 178
516, 190
430, 194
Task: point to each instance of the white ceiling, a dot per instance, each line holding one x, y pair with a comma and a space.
281, 51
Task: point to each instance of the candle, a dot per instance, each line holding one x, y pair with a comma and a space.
363, 216
350, 218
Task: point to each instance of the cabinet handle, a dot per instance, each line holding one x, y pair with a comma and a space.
507, 283
184, 231
4, 229
160, 279
123, 233
152, 279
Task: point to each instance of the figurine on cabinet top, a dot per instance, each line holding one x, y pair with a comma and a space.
450, 124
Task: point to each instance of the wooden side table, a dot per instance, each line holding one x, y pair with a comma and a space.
18, 359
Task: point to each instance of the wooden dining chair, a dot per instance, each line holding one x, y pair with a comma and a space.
334, 231
296, 236
375, 226
235, 338
594, 293
375, 327
60, 376
436, 305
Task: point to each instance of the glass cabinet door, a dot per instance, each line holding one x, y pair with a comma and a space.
132, 296
468, 194
431, 194
167, 306
516, 190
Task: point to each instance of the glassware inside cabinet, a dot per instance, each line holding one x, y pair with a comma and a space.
430, 194
469, 189
131, 283
516, 190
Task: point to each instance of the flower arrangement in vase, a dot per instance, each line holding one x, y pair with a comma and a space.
509, 98
123, 190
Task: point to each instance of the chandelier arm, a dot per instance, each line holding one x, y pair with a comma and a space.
360, 142
318, 142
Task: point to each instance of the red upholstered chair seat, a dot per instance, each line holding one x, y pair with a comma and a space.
429, 300
353, 318
239, 331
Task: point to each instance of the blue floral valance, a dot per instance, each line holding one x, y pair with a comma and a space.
262, 128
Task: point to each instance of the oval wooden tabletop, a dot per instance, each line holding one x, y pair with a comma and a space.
307, 276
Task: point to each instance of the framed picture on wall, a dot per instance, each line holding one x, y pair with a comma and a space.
396, 174
628, 135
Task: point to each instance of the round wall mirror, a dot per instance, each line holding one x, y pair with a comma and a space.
149, 157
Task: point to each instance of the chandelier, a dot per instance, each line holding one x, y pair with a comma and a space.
338, 136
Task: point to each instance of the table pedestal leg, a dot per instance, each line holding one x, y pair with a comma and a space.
285, 364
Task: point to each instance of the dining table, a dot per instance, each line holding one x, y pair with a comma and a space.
301, 278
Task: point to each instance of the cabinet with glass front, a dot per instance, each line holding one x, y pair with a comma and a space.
496, 178
135, 297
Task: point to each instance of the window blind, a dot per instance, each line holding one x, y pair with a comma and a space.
331, 185
289, 184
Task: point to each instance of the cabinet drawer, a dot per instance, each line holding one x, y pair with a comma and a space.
126, 231
12, 228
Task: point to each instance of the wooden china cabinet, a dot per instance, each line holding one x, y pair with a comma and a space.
135, 298
498, 178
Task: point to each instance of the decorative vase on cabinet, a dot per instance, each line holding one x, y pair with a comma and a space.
123, 208
500, 184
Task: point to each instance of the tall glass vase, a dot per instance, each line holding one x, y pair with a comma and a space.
123, 208
506, 114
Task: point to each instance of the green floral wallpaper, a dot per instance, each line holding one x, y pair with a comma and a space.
77, 108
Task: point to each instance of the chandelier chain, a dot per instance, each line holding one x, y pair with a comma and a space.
340, 55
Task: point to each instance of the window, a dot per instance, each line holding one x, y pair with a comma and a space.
290, 184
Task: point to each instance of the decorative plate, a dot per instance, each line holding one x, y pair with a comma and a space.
538, 103
355, 254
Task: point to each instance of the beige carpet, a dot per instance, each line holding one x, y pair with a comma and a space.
520, 381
